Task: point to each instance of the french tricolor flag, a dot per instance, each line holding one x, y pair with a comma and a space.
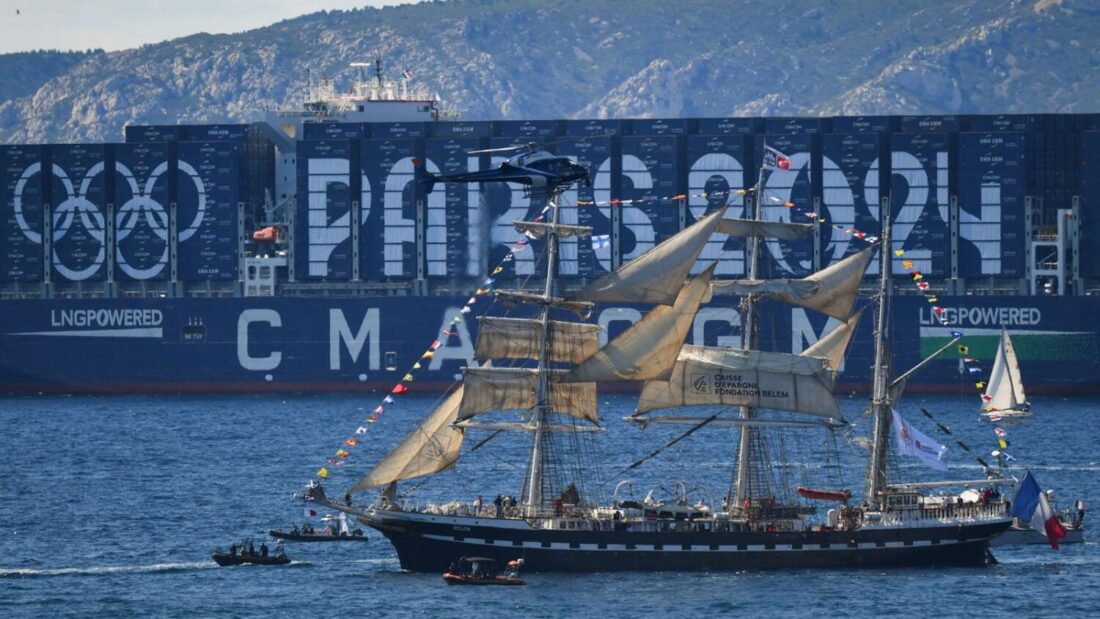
1031, 506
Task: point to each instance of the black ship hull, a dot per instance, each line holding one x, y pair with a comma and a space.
426, 543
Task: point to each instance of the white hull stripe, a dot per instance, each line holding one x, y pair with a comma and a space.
693, 548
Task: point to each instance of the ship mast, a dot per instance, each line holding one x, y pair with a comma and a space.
543, 406
748, 342
880, 403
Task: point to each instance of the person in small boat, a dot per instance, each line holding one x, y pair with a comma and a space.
263, 549
294, 527
280, 550
347, 498
477, 506
251, 550
232, 550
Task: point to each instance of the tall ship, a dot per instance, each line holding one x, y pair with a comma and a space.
298, 252
543, 370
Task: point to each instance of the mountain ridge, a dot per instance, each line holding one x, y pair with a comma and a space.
522, 59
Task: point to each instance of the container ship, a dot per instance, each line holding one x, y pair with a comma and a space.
299, 252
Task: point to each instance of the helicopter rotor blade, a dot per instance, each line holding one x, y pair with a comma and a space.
502, 149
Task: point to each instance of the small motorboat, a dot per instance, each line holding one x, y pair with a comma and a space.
233, 557
483, 571
299, 536
336, 531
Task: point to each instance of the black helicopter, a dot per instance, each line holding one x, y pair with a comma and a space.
539, 170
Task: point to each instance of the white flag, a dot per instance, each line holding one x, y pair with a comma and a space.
912, 442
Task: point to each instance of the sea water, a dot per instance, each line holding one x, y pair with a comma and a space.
113, 505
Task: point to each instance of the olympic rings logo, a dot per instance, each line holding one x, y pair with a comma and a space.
141, 207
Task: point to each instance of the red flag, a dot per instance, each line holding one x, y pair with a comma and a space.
937, 310
399, 389
776, 160
352, 442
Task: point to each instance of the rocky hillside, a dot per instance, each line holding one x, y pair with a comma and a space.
497, 59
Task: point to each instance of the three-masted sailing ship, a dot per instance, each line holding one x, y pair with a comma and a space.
554, 528
1004, 393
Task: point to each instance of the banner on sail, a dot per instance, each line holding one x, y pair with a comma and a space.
707, 375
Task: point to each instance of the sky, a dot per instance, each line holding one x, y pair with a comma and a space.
122, 24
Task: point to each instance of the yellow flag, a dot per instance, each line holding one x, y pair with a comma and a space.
907, 264
933, 299
964, 349
899, 252
408, 378
979, 384
917, 277
416, 366
323, 473
497, 270
481, 291
1003, 443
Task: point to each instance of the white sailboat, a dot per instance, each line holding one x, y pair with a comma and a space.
1004, 395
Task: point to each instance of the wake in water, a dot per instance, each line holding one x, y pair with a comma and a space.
23, 572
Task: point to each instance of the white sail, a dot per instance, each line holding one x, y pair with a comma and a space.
519, 338
1004, 390
834, 345
657, 275
496, 389
710, 375
766, 229
831, 291
648, 349
433, 446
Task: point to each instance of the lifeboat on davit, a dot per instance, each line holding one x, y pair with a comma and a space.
841, 496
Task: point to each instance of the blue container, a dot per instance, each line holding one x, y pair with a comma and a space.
929, 124
718, 166
788, 258
387, 237
153, 133
865, 124
22, 195
796, 125
208, 199
725, 126
469, 129
992, 181
78, 193
142, 205
313, 131
919, 191
852, 179
453, 209
212, 133
326, 190
529, 130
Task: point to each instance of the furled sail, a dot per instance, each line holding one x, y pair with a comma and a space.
495, 389
766, 229
712, 375
648, 349
834, 344
831, 291
433, 446
519, 338
537, 230
1004, 391
657, 275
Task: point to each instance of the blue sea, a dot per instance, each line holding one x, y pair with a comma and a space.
111, 506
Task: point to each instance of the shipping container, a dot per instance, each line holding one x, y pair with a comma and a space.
465, 129
529, 130
719, 166
991, 204
594, 127
214, 133
919, 201
397, 130
387, 237
663, 126
785, 187
314, 131
1002, 122
21, 197
452, 243
865, 124
154, 133
588, 205
505, 203
929, 124
1090, 204
650, 186
852, 175
725, 126
141, 211
208, 206
78, 196
796, 125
